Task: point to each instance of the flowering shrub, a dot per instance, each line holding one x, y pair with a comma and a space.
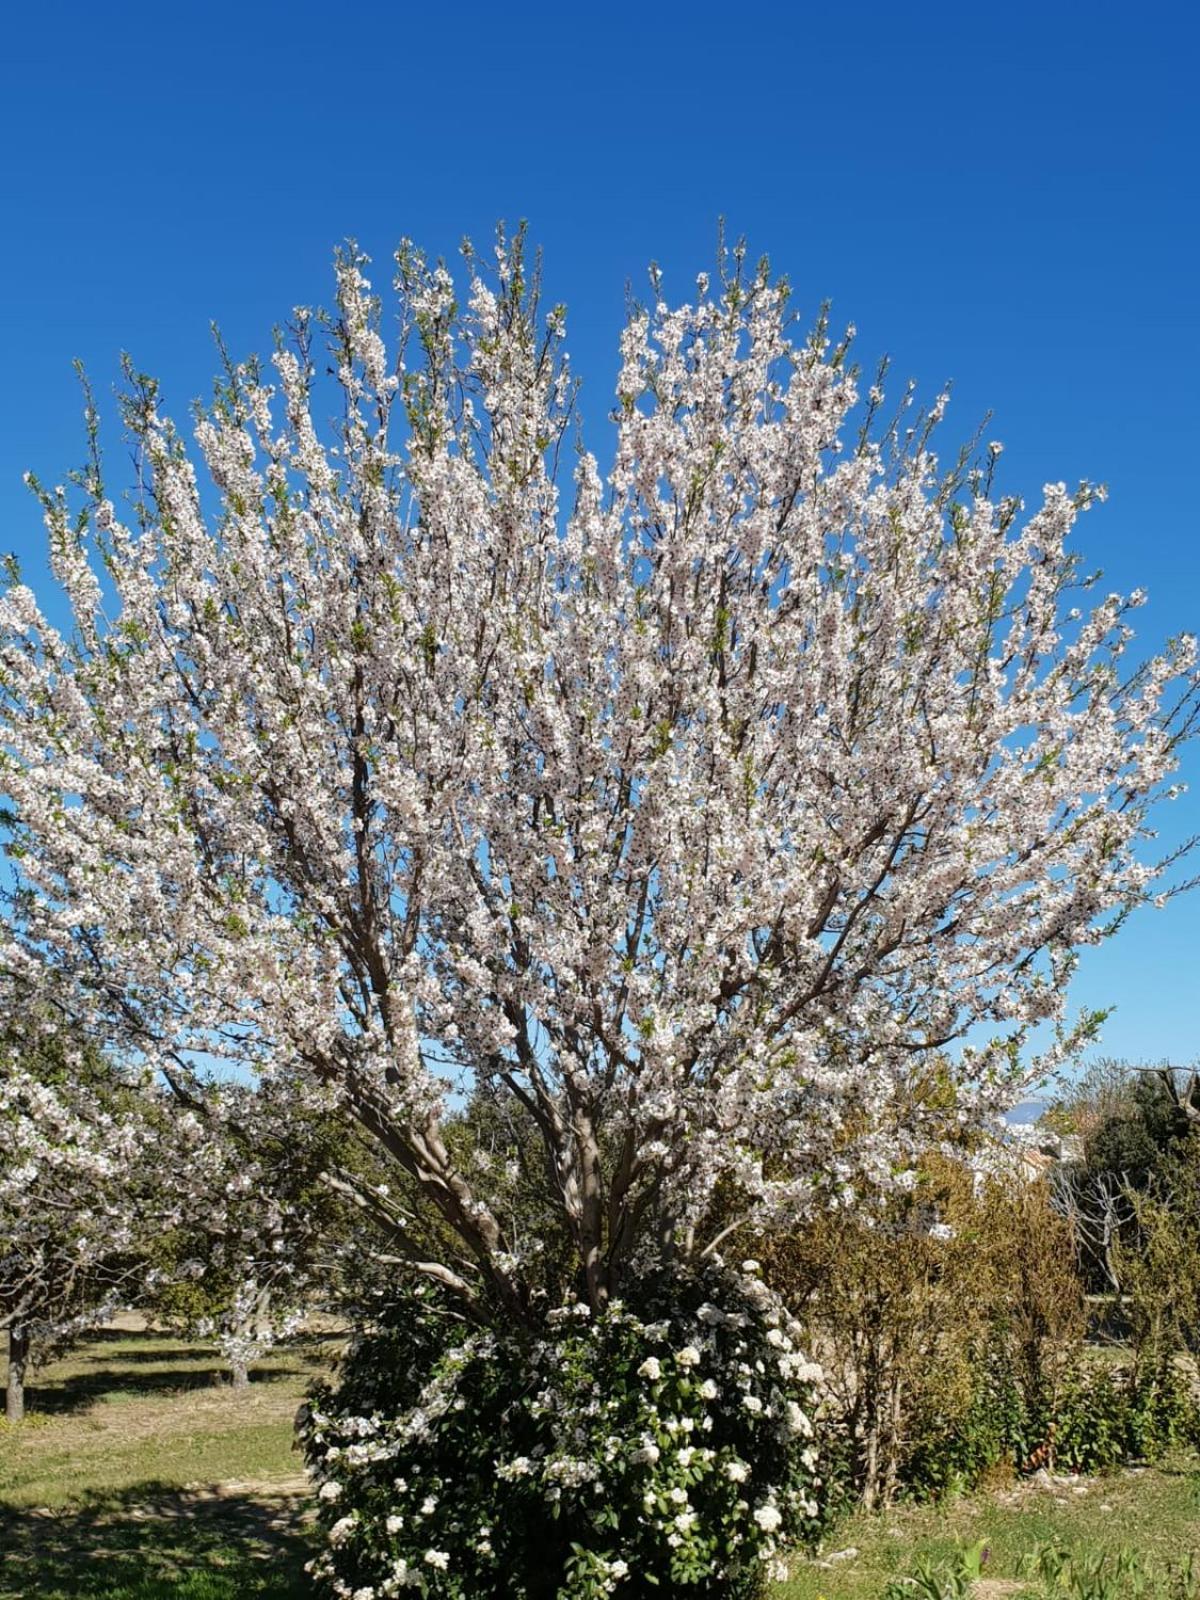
662, 1446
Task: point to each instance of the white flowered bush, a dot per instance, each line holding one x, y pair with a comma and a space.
663, 1446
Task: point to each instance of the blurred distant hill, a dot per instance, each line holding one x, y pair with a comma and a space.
1027, 1111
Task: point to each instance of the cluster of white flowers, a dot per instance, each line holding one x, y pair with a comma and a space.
73, 1167
661, 1440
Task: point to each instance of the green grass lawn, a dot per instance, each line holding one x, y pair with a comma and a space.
1154, 1512
142, 1475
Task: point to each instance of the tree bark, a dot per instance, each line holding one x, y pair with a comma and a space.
241, 1374
891, 1477
18, 1362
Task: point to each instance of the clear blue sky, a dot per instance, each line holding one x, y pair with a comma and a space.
1002, 195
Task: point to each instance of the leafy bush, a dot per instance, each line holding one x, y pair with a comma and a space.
961, 1359
664, 1446
1098, 1418
1110, 1417
953, 1580
991, 1438
949, 1317
1125, 1575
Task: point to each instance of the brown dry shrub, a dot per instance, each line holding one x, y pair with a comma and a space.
911, 1296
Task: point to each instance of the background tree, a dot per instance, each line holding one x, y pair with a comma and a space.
274, 1239
84, 1185
1158, 1266
1134, 1125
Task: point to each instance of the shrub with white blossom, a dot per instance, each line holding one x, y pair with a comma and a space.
663, 1446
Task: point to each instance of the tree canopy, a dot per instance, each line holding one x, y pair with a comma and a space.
721, 807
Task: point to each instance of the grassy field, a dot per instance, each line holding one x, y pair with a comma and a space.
1154, 1512
141, 1475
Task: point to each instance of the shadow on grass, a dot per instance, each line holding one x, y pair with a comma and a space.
152, 1540
83, 1389
111, 1370
133, 1358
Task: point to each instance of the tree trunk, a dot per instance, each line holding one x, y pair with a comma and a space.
241, 1374
891, 1477
874, 1383
872, 1430
870, 1488
18, 1361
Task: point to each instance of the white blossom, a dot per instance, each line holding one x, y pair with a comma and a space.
712, 800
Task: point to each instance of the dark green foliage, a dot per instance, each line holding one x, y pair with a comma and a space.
1135, 1140
1101, 1417
657, 1448
1109, 1418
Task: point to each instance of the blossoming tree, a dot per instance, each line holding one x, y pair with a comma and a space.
198, 1202
262, 1234
722, 808
79, 1190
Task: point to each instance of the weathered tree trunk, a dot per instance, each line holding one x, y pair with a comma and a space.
241, 1374
871, 1437
18, 1362
891, 1477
